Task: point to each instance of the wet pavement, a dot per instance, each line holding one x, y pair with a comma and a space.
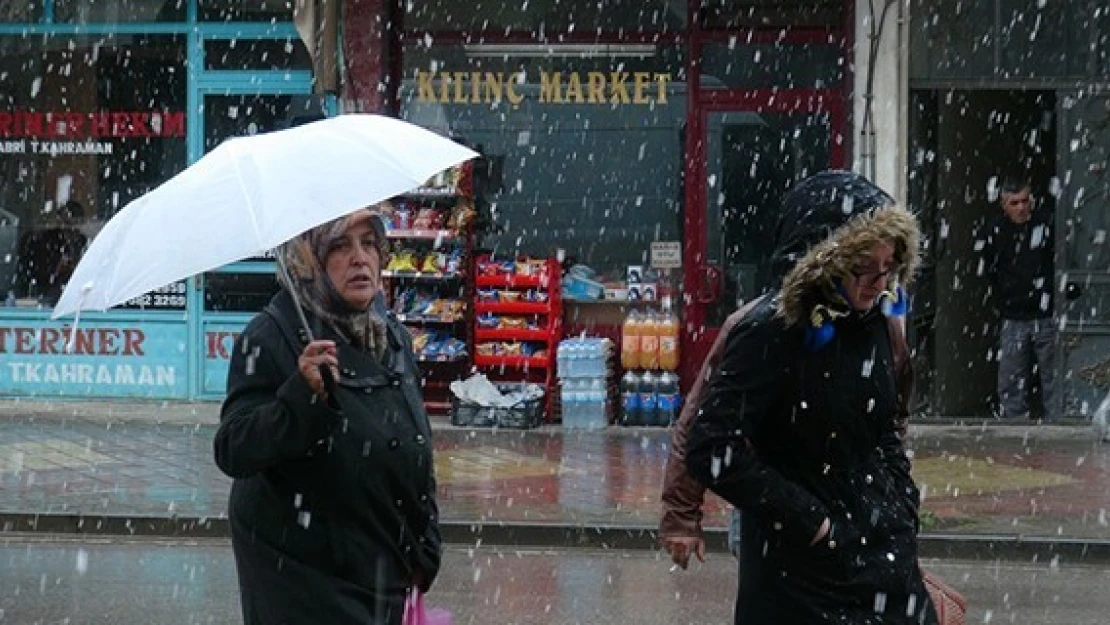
154, 461
48, 580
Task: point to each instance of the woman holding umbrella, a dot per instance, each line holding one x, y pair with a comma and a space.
333, 512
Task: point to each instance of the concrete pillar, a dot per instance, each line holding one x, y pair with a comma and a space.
880, 143
367, 36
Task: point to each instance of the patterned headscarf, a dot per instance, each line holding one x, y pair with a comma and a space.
305, 258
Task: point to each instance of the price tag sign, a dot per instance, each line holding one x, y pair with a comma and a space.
666, 255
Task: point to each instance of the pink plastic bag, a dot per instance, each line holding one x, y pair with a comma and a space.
417, 614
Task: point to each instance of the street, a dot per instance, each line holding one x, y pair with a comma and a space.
51, 579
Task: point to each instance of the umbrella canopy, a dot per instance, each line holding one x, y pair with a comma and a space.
250, 195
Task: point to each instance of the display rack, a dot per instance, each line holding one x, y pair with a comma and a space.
518, 321
429, 290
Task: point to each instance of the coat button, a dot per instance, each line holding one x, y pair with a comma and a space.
419, 438
394, 443
424, 498
399, 503
396, 383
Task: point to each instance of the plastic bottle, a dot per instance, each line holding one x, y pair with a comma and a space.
649, 343
630, 399
595, 419
666, 408
667, 325
649, 400
630, 341
570, 404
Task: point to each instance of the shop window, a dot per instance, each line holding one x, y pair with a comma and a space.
737, 65
87, 124
952, 39
256, 54
118, 11
545, 16
586, 143
771, 13
236, 115
20, 11
245, 10
238, 292
1039, 39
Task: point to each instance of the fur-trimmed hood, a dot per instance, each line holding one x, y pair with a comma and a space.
828, 221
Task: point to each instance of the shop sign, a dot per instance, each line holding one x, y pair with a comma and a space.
666, 254
219, 341
107, 359
615, 87
56, 133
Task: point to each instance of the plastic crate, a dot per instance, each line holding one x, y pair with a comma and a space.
523, 416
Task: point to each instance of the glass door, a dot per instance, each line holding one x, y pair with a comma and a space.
751, 155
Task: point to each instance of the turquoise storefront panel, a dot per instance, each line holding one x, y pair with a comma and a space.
219, 341
120, 358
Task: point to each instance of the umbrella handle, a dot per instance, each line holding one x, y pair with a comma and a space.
329, 380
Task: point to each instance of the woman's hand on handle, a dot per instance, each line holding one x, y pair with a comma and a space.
822, 532
315, 355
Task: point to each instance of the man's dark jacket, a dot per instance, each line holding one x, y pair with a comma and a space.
1018, 259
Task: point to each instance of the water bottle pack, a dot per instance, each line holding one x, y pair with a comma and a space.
583, 368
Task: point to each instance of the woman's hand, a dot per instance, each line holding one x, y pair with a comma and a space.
315, 354
822, 532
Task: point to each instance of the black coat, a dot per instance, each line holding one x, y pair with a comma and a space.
1018, 259
333, 505
794, 434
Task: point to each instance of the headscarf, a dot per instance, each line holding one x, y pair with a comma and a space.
305, 258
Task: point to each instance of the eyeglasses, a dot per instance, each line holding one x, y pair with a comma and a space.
868, 275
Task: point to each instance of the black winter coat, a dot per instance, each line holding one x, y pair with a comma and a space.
793, 434
333, 505
824, 443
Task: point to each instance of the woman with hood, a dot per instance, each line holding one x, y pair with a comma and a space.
800, 425
333, 512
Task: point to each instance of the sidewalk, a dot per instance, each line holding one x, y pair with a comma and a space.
148, 468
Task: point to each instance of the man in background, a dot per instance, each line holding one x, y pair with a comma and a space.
48, 256
1017, 248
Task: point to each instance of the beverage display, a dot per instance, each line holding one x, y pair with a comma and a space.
649, 387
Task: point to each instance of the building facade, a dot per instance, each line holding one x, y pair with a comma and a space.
606, 127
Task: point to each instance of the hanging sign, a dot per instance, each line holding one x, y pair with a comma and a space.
666, 255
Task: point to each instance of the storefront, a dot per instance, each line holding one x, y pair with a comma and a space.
606, 128
612, 126
99, 103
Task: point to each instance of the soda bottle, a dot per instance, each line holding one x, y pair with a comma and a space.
649, 400
668, 338
666, 408
630, 399
630, 341
649, 343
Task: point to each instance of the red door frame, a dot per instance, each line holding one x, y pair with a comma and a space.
697, 337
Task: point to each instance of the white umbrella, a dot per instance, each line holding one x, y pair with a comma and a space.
252, 194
